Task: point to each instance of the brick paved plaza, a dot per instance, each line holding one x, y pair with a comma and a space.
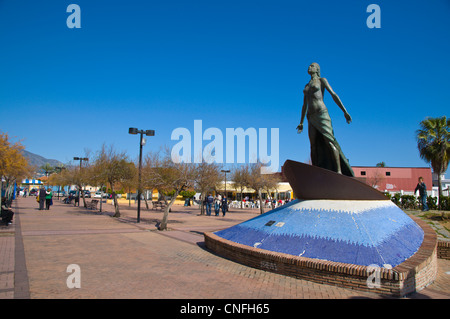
119, 258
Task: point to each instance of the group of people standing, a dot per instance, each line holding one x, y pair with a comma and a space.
45, 198
218, 202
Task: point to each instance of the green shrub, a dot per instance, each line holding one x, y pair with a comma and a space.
396, 199
432, 202
187, 194
409, 202
445, 203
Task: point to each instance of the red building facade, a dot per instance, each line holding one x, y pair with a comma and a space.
394, 179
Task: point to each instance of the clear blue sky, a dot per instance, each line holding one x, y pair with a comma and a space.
163, 64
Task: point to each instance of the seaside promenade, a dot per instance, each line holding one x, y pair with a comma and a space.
119, 258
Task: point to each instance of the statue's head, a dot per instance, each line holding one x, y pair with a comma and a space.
314, 68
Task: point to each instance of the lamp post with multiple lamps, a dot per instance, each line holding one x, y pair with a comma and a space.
81, 159
135, 131
225, 171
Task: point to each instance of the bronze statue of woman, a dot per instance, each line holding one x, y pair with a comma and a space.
325, 150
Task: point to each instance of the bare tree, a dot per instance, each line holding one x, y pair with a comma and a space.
113, 168
206, 177
258, 181
168, 176
59, 178
148, 180
240, 178
75, 176
376, 178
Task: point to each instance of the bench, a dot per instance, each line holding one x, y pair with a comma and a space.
157, 204
92, 204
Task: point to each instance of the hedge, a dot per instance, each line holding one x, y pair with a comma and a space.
411, 202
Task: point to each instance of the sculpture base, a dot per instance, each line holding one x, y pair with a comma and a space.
355, 232
410, 276
312, 182
337, 234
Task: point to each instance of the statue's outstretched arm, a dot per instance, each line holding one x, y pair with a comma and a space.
336, 99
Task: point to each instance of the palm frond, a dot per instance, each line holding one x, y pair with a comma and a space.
433, 142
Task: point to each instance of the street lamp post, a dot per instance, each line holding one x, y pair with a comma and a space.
135, 131
225, 171
81, 159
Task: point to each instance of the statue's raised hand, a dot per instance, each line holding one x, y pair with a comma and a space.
348, 117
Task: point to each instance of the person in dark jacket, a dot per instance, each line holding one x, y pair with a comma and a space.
48, 198
224, 205
422, 188
42, 194
6, 216
209, 202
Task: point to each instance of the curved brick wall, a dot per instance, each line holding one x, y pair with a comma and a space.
444, 250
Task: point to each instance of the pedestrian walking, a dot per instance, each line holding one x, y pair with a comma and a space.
48, 198
224, 205
42, 194
209, 202
217, 204
422, 188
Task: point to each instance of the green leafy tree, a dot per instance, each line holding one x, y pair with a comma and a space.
433, 141
47, 169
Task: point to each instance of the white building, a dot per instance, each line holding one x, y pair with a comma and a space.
444, 182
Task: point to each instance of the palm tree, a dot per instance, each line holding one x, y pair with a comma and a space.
433, 141
48, 170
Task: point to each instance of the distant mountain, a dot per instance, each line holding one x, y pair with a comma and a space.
38, 161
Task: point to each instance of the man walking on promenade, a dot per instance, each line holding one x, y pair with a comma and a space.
48, 198
42, 194
209, 202
422, 188
224, 205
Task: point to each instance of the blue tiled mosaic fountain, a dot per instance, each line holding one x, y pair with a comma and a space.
353, 232
337, 232
338, 219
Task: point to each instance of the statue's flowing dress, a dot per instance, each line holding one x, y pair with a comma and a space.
321, 155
